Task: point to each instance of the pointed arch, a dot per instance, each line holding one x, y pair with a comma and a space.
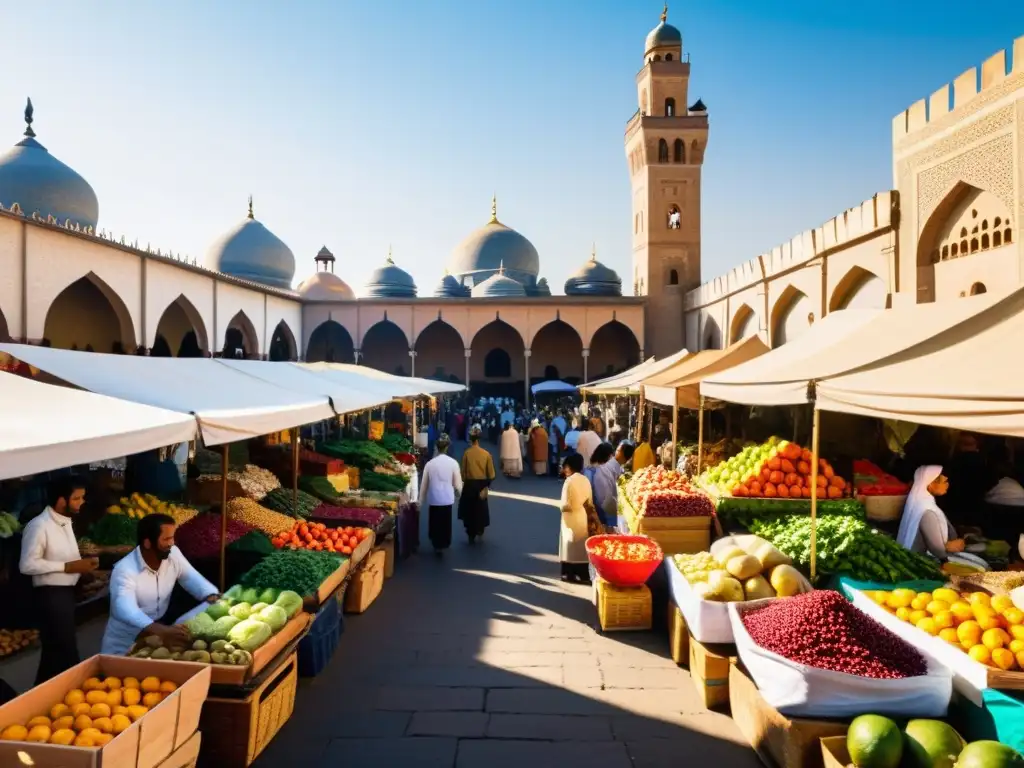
240, 339
330, 342
859, 289
556, 345
613, 348
440, 352
745, 322
282, 344
792, 314
177, 321
491, 346
711, 338
385, 347
88, 314
679, 151
662, 151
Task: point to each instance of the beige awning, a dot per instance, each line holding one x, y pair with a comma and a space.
680, 384
628, 382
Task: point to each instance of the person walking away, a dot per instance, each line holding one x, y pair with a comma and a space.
511, 453
576, 493
539, 449
924, 527
556, 440
588, 441
603, 486
141, 586
49, 554
442, 482
477, 476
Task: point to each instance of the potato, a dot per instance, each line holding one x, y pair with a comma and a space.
743, 567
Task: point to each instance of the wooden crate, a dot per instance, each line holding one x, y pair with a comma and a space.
623, 608
834, 753
678, 636
709, 670
682, 542
238, 730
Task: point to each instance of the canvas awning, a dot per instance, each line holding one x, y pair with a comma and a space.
680, 384
628, 382
842, 342
637, 369
552, 386
47, 427
969, 376
230, 405
401, 386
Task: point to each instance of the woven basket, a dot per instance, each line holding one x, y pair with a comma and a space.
884, 508
623, 608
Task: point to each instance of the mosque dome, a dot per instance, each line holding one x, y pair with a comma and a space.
390, 282
540, 288
498, 285
37, 181
594, 279
450, 288
481, 254
664, 35
250, 251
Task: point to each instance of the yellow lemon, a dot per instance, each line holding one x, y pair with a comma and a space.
916, 616
1014, 616
927, 624
936, 606
994, 638
990, 621
40, 733
962, 610
1016, 646
969, 633
74, 697
979, 598
878, 595
949, 635
899, 598
1016, 631
14, 733
980, 654
64, 737
1003, 658
944, 619
1020, 659
59, 710
946, 595
1001, 603
919, 602
903, 614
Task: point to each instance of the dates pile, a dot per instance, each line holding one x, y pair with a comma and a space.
822, 629
678, 504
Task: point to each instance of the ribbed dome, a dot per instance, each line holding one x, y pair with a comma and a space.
664, 35
390, 282
252, 252
450, 288
498, 286
37, 181
594, 279
484, 250
325, 286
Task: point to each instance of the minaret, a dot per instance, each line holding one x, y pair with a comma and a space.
665, 142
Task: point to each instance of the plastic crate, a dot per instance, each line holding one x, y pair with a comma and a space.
318, 646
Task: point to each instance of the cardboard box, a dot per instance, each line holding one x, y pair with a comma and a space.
146, 744
678, 636
834, 753
709, 670
779, 741
366, 584
388, 548
185, 756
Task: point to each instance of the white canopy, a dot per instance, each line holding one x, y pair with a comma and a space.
968, 376
679, 385
842, 342
400, 386
230, 405
629, 381
358, 396
552, 386
47, 427
637, 369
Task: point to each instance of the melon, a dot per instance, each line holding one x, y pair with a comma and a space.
744, 567
874, 741
989, 754
931, 744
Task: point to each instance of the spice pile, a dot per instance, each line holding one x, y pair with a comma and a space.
821, 629
368, 515
255, 481
199, 538
251, 513
622, 550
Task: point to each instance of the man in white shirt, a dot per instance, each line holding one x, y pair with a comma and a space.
49, 554
141, 587
587, 442
442, 482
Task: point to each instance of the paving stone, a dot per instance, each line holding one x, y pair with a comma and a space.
545, 702
645, 677
549, 727
583, 677
497, 753
659, 753
410, 752
364, 725
474, 676
457, 724
434, 699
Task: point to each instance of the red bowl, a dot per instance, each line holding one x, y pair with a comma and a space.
623, 573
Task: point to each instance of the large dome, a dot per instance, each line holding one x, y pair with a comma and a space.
325, 286
498, 285
37, 181
481, 254
664, 35
594, 279
250, 251
390, 282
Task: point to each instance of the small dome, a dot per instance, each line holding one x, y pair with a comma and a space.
390, 282
540, 288
664, 35
250, 251
325, 286
498, 286
484, 250
37, 181
450, 288
594, 279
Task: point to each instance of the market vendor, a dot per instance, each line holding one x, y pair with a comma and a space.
141, 587
49, 554
925, 527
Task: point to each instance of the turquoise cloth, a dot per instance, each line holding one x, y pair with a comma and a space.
845, 584
1001, 718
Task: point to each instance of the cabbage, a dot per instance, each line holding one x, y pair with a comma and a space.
257, 607
250, 596
241, 611
268, 596
200, 625
274, 615
250, 634
290, 601
221, 627
234, 594
218, 609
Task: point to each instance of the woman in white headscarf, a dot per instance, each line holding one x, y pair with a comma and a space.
924, 527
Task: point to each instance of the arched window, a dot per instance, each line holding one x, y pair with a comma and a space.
679, 151
997, 239
984, 225
668, 57
984, 242
670, 107
673, 277
945, 252
551, 373
978, 288
675, 217
657, 57
662, 151
497, 364
953, 250
963, 247
1008, 235
974, 245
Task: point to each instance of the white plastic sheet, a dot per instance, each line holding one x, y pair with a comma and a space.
801, 691
707, 620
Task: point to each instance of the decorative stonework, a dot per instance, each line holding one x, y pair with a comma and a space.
988, 167
1020, 160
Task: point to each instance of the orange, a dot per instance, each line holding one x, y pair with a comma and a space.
949, 635
1014, 616
120, 723
168, 687
130, 696
152, 699
118, 711
1003, 659
39, 720
59, 710
64, 737
150, 685
114, 697
40, 733
93, 684
14, 733
74, 697
130, 682
969, 633
100, 710
112, 683
96, 697
1001, 603
1020, 659
81, 709
137, 711
82, 722
995, 638
103, 724
84, 740
62, 723
103, 739
980, 654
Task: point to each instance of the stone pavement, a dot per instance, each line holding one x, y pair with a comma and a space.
484, 659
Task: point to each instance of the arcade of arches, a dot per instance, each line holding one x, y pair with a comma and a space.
88, 315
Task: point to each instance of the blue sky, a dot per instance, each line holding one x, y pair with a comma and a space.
361, 125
